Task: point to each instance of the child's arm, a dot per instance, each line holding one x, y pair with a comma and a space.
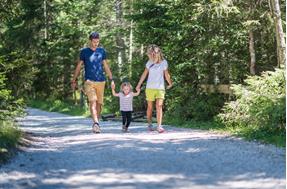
114, 92
137, 93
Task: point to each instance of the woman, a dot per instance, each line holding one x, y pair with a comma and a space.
156, 69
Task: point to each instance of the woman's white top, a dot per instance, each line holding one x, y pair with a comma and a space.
156, 74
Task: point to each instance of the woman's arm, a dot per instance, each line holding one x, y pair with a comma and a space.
167, 77
143, 76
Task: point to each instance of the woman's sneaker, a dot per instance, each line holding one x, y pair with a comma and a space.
96, 128
160, 129
150, 127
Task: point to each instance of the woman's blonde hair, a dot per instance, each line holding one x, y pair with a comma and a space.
126, 84
156, 53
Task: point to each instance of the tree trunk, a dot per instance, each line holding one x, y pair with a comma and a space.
131, 49
252, 52
46, 20
120, 43
281, 54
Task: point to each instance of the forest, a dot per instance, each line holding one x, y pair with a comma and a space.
226, 57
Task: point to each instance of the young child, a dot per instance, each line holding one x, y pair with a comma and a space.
126, 103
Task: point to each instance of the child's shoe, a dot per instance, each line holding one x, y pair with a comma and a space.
124, 128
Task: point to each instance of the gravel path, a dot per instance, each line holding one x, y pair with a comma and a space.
65, 154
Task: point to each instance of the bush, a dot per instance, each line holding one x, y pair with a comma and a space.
9, 137
259, 104
190, 104
9, 107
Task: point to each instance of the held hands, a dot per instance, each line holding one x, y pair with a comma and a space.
138, 88
138, 91
113, 86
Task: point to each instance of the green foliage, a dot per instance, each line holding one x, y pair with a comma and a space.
9, 134
259, 104
204, 42
191, 104
9, 106
9, 138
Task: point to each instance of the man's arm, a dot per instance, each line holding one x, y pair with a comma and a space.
108, 71
76, 74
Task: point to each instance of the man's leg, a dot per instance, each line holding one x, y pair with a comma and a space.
99, 110
91, 93
94, 111
100, 89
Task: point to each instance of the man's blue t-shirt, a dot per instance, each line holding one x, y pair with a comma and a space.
93, 60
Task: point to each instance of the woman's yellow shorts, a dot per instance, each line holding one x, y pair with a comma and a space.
153, 94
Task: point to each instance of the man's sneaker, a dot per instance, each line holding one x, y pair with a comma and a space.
160, 129
96, 128
150, 127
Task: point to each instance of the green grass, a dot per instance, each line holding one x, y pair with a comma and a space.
9, 138
263, 135
62, 107
59, 106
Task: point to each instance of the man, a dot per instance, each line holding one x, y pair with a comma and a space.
96, 65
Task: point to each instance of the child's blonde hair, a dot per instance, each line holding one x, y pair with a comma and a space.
126, 84
156, 53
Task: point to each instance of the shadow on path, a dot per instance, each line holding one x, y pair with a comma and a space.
66, 154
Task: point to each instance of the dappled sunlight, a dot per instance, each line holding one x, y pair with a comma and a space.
111, 176
65, 154
247, 180
16, 175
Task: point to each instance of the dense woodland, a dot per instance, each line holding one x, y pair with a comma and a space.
206, 42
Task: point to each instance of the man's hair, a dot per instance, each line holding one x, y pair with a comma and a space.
94, 35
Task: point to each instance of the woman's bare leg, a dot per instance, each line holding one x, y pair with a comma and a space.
159, 104
149, 112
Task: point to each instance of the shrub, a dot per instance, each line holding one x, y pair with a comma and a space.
9, 107
190, 104
259, 104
